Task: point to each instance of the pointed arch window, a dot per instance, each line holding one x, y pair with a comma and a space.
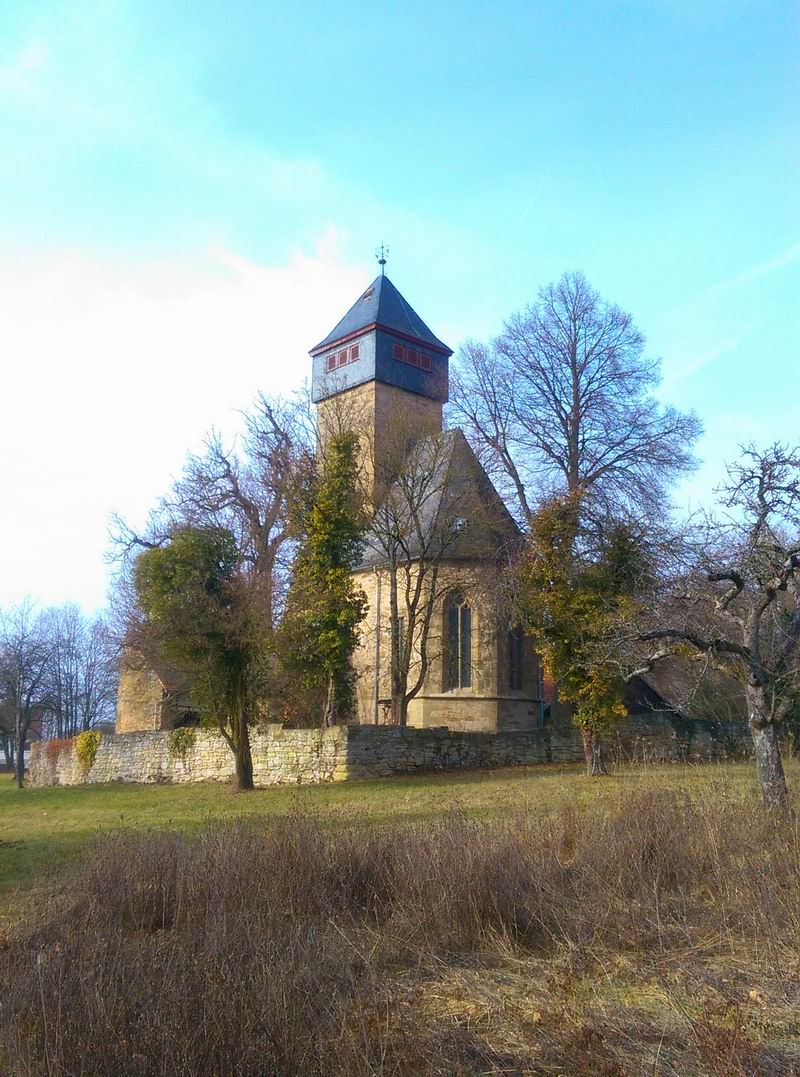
458, 643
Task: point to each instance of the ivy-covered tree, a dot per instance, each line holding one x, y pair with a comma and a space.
198, 609
325, 607
570, 605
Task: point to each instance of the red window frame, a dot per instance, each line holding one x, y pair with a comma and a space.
412, 357
342, 358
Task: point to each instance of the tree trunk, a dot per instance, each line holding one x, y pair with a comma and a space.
769, 765
244, 766
20, 732
593, 753
329, 714
19, 765
241, 752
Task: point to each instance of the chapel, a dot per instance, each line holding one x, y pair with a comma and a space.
383, 374
441, 528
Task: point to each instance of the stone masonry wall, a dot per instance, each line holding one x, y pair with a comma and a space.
307, 756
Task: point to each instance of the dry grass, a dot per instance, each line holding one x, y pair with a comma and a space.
656, 936
44, 830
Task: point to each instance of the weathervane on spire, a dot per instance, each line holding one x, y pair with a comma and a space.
381, 254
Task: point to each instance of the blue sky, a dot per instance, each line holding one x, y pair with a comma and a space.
191, 194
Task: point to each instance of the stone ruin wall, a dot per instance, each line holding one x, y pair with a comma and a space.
308, 756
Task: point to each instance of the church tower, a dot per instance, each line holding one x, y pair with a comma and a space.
382, 372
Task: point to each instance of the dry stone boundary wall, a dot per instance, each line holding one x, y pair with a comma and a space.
306, 756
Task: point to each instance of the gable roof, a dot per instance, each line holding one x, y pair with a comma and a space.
382, 306
457, 512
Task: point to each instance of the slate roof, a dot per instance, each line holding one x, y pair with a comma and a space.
447, 487
381, 304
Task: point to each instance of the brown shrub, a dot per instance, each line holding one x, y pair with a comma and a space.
282, 947
55, 746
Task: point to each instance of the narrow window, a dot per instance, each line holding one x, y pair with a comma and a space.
330, 362
343, 357
354, 353
413, 357
515, 652
458, 640
424, 361
399, 352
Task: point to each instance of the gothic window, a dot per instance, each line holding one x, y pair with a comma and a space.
458, 643
515, 653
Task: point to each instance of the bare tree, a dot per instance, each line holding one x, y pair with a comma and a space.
739, 604
25, 653
243, 488
562, 402
81, 674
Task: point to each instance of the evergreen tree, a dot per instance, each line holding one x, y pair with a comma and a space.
325, 607
200, 613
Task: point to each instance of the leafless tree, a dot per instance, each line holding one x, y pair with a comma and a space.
25, 653
738, 604
81, 674
243, 488
562, 401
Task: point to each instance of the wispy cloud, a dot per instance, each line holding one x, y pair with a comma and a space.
785, 258
684, 362
104, 138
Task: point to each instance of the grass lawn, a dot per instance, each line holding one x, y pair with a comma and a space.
43, 830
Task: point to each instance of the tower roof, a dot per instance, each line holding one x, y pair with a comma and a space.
381, 306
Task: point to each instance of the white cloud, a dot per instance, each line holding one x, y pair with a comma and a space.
113, 371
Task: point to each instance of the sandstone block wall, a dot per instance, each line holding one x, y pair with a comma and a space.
139, 699
307, 756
